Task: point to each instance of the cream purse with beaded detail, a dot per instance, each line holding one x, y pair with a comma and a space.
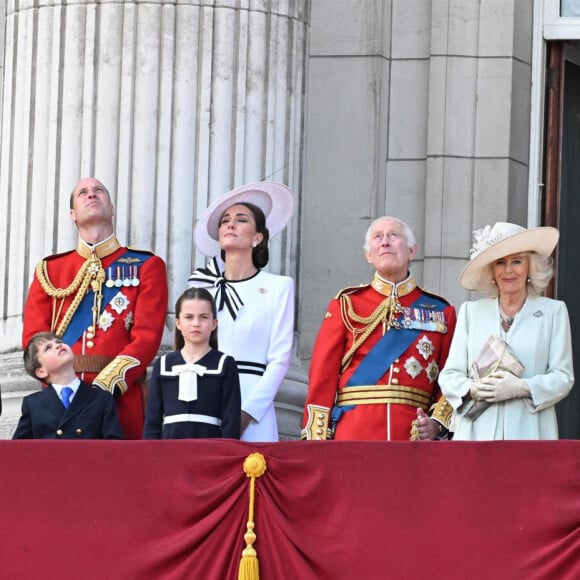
496, 355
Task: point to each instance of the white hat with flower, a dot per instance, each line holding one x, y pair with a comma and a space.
504, 239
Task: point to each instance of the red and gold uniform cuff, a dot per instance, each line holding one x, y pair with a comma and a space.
317, 425
113, 375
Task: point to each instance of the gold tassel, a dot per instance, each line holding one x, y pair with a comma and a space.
414, 431
254, 466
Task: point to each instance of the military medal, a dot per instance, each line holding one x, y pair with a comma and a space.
110, 282
135, 279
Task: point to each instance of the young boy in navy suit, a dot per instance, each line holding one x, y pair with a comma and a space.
68, 408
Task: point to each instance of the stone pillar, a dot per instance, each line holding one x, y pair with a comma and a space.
478, 131
169, 104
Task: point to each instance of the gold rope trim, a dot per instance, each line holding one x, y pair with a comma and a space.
47, 286
385, 313
90, 273
254, 466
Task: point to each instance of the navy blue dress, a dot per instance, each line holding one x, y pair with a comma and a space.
215, 413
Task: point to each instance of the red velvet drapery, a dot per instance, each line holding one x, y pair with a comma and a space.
140, 510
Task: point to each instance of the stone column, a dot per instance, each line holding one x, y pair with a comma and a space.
169, 104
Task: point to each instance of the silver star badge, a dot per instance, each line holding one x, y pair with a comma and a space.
119, 302
425, 347
413, 367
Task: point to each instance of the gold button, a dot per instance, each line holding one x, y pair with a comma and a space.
59, 432
396, 370
90, 344
79, 432
319, 431
320, 416
395, 381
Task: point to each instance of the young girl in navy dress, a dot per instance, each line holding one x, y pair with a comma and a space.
195, 390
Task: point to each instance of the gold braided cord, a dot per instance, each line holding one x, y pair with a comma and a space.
348, 313
90, 273
47, 286
73, 307
383, 313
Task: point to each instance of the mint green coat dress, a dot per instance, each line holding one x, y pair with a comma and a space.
540, 338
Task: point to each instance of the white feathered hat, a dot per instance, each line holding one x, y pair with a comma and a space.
504, 239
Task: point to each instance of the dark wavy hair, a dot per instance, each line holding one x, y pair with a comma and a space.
195, 294
261, 253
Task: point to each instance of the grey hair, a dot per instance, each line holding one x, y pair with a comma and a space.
407, 231
540, 272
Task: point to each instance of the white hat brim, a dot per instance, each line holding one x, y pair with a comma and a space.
541, 240
276, 200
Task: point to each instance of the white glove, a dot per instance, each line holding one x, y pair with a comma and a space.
476, 390
502, 386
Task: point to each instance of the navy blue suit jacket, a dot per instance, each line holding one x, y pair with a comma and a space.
91, 415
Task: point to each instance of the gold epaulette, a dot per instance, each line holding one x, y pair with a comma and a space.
317, 427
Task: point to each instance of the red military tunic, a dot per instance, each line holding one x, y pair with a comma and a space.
114, 351
386, 409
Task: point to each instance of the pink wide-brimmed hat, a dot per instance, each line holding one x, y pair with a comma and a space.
276, 200
504, 239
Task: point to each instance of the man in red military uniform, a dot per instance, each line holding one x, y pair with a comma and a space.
378, 353
106, 301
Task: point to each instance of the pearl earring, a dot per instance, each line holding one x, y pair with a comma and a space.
493, 281
529, 280
254, 244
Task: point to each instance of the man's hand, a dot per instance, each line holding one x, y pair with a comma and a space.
502, 386
428, 428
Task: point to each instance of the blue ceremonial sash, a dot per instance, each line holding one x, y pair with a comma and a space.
394, 343
83, 317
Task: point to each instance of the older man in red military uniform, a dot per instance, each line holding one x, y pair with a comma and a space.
377, 356
106, 301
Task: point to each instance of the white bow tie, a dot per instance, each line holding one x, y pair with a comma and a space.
188, 374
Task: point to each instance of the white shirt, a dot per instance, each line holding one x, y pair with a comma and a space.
74, 386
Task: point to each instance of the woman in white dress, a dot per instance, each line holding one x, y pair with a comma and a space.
512, 394
255, 308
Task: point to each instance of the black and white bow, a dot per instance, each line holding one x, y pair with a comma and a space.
226, 294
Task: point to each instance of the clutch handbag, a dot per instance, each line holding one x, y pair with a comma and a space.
496, 355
